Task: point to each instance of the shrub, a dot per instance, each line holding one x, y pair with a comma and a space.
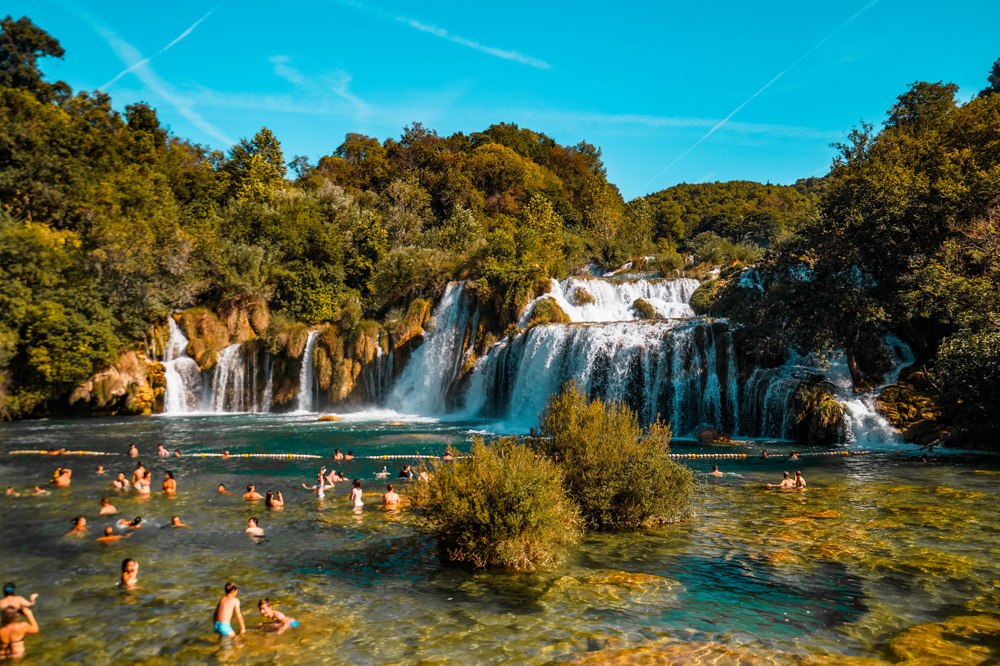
547, 311
501, 507
704, 297
618, 474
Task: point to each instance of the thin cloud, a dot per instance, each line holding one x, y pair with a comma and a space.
337, 81
515, 56
131, 56
146, 60
767, 85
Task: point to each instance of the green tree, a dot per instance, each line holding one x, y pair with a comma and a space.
255, 167
22, 43
994, 80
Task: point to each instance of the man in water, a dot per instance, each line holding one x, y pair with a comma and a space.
337, 455
390, 498
349, 456
223, 491
139, 474
176, 522
447, 456
407, 473
276, 620
793, 456
228, 606
100, 469
715, 471
107, 508
177, 453
764, 454
41, 491
110, 537
799, 481
253, 529
121, 483
11, 492
162, 451
61, 478
251, 495
785, 483
11, 600
132, 451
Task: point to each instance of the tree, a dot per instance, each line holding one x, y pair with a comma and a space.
22, 43
255, 167
994, 80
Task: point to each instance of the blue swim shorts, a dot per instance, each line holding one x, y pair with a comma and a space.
224, 628
294, 623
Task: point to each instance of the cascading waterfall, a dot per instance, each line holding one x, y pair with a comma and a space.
598, 300
306, 397
183, 382
227, 381
427, 378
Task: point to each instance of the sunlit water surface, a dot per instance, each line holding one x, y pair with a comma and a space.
871, 560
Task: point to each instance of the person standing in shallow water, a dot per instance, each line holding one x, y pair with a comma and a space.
228, 606
130, 574
12, 632
799, 481
356, 494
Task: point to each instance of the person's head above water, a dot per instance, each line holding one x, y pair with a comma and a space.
8, 589
231, 588
357, 483
176, 520
135, 522
108, 531
252, 522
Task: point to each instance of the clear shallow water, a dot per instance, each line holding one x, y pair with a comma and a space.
877, 545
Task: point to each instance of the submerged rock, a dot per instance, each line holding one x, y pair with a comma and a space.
330, 417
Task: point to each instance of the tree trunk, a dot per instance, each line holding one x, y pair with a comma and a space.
852, 366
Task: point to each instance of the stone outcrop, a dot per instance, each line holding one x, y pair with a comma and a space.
909, 406
133, 385
819, 418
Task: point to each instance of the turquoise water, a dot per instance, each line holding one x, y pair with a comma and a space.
878, 544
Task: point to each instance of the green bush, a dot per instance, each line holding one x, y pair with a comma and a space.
644, 309
547, 311
500, 507
967, 373
704, 297
620, 476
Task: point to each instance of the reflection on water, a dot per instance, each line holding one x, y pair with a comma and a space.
881, 557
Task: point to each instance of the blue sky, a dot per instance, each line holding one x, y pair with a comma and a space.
644, 81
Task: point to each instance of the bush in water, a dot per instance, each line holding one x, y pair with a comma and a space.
500, 507
618, 474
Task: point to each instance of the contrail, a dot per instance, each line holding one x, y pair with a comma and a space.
766, 86
146, 60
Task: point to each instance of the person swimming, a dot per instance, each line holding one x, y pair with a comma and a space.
110, 537
100, 469
384, 474
169, 484
121, 483
61, 477
17, 602
223, 491
253, 529
107, 508
321, 485
349, 456
356, 494
391, 497
132, 451
143, 484
138, 473
276, 620
337, 455
715, 471
134, 524
12, 632
228, 606
79, 527
176, 522
251, 495
785, 483
799, 481
162, 452
274, 501
130, 574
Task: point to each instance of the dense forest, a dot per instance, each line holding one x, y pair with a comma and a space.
109, 223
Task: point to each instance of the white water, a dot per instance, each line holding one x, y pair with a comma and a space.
613, 299
183, 381
306, 375
227, 381
422, 388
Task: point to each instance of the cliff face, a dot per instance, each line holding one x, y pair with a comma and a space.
133, 385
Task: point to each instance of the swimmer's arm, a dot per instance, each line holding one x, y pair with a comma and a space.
239, 616
309, 487
32, 627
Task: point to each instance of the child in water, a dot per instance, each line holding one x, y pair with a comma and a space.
228, 606
276, 620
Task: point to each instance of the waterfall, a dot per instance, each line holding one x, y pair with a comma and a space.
599, 300
183, 383
425, 381
306, 375
228, 381
268, 383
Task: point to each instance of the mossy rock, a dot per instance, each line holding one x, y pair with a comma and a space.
582, 296
704, 296
819, 417
644, 310
548, 311
207, 336
910, 407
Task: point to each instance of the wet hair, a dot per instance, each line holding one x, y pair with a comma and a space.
222, 485
170, 475
254, 521
389, 487
263, 602
350, 453
798, 472
125, 563
9, 615
76, 521
715, 468
104, 500
250, 487
357, 483
786, 474
230, 587
8, 589
136, 521
270, 495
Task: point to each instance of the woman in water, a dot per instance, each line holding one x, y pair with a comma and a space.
130, 574
356, 494
169, 484
274, 501
12, 632
320, 486
142, 485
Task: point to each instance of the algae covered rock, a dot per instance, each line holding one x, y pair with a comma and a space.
582, 296
548, 311
704, 296
818, 416
207, 335
644, 310
911, 409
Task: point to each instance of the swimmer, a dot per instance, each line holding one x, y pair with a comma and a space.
107, 508
793, 455
132, 451
11, 492
447, 456
143, 484
715, 471
177, 453
384, 474
134, 524
100, 469
41, 491
139, 473
61, 478
79, 527
110, 537
223, 491
169, 484
763, 454
320, 486
785, 483
274, 500
121, 483
251, 495
12, 632
799, 481
407, 473
130, 574
276, 620
390, 498
225, 454
337, 455
17, 602
253, 529
349, 456
56, 452
228, 606
162, 451
356, 494
176, 522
